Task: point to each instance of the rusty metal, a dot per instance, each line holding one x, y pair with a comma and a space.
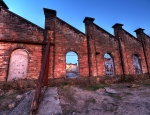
46, 76
38, 94
89, 62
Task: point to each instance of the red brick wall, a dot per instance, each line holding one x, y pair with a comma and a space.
69, 39
65, 38
18, 33
14, 28
147, 49
101, 42
34, 65
130, 46
106, 43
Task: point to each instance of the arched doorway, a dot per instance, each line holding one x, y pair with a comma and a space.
137, 64
109, 65
72, 66
18, 65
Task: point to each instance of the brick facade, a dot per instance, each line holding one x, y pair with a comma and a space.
91, 46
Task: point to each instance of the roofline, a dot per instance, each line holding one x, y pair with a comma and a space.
3, 4
131, 35
104, 30
71, 26
22, 18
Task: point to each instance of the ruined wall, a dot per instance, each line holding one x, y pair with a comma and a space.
101, 42
34, 64
13, 29
65, 38
147, 49
106, 43
18, 33
68, 39
130, 46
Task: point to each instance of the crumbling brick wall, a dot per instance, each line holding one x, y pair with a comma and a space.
147, 49
66, 38
101, 42
130, 46
17, 33
145, 41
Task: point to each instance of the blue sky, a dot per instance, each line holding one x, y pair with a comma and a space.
132, 13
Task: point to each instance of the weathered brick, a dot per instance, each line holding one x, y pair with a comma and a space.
90, 47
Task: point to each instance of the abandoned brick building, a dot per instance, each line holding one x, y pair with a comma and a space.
100, 54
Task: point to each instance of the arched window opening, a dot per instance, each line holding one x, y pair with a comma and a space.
137, 64
72, 66
109, 65
18, 65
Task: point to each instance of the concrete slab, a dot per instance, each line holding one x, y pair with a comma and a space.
109, 90
24, 107
50, 105
72, 75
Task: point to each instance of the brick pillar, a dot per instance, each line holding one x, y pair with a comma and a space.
119, 35
50, 16
2, 4
140, 35
89, 30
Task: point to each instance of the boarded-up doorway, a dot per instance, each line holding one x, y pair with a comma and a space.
18, 65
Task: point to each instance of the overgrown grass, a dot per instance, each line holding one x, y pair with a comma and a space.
95, 87
4, 98
11, 96
146, 82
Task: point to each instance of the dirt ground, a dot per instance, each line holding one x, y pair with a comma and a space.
129, 99
120, 99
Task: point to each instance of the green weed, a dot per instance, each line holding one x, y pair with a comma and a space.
95, 87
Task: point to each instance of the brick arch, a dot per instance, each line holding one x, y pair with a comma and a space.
136, 54
14, 47
110, 53
9, 51
74, 69
70, 50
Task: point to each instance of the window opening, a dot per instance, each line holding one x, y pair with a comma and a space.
109, 65
72, 66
